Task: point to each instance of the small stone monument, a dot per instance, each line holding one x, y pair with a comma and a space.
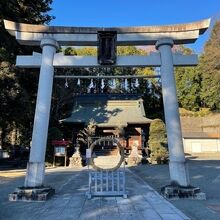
76, 160
134, 158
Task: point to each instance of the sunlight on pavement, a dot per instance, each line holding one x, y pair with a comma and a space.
12, 174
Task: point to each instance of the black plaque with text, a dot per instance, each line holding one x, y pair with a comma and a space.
107, 47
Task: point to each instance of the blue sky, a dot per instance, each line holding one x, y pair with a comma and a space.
100, 13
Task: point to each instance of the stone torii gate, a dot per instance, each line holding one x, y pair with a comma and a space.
50, 38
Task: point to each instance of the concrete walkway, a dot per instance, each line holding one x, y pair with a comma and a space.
70, 201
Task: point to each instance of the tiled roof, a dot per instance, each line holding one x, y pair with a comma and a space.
108, 110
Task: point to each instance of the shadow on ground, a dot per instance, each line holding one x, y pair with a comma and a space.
203, 173
70, 201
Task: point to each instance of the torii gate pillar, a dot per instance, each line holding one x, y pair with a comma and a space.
36, 165
178, 172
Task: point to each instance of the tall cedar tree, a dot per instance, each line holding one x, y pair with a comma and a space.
18, 87
210, 70
188, 83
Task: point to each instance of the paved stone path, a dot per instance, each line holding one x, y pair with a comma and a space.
70, 202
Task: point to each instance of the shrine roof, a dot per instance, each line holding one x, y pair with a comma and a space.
108, 110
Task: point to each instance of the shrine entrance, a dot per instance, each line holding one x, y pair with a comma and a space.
107, 40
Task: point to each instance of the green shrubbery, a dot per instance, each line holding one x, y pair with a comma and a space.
158, 142
201, 113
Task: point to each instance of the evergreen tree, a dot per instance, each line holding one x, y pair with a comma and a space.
158, 141
23, 11
18, 87
210, 70
188, 83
